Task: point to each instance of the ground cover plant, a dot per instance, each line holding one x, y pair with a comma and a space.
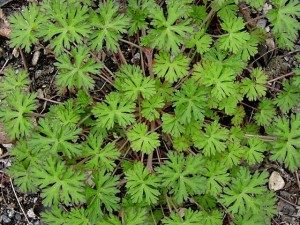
180, 133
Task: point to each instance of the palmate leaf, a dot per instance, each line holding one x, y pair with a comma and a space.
167, 33
213, 217
141, 185
232, 61
77, 216
24, 160
181, 176
250, 48
190, 217
102, 195
266, 112
283, 18
13, 81
114, 110
235, 38
151, 106
131, 81
240, 196
190, 102
25, 26
232, 155
288, 97
201, 41
258, 4
255, 152
75, 69
15, 113
217, 76
217, 177
100, 158
286, 148
133, 216
21, 172
138, 11
67, 114
213, 140
51, 137
172, 68
254, 87
108, 25
171, 125
66, 24
59, 183
143, 140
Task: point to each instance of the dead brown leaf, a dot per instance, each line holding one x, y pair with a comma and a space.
4, 25
3, 136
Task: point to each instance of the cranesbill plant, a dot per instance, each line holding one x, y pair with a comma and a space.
183, 125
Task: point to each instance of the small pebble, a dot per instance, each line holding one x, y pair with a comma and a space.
10, 213
262, 23
37, 74
15, 53
30, 213
5, 219
35, 58
18, 216
276, 182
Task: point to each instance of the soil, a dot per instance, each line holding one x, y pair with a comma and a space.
17, 208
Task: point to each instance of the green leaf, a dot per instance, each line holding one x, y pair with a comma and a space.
114, 110
235, 38
138, 11
77, 216
66, 24
220, 78
108, 25
131, 81
51, 137
213, 140
171, 125
240, 196
167, 33
181, 176
250, 48
288, 97
15, 113
102, 195
201, 41
181, 143
257, 4
24, 160
283, 18
217, 177
143, 140
286, 147
59, 183
141, 185
255, 152
75, 69
190, 102
67, 113
170, 67
232, 155
13, 81
213, 217
151, 106
189, 217
266, 112
254, 87
25, 26
100, 158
